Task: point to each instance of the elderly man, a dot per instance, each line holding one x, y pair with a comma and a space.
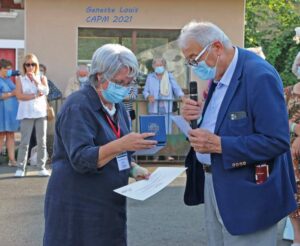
240, 162
78, 82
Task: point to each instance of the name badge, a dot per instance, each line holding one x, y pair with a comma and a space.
123, 162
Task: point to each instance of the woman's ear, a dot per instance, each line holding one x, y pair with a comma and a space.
102, 85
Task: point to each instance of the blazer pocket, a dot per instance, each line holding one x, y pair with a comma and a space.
238, 122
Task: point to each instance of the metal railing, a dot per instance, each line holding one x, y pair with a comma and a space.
176, 146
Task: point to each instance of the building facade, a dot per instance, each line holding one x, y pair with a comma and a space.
65, 33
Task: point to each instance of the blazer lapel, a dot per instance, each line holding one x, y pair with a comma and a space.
234, 84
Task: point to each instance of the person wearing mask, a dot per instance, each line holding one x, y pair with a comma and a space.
292, 96
32, 91
239, 163
160, 89
78, 82
92, 156
8, 110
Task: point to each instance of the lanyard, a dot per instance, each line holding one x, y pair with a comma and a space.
116, 130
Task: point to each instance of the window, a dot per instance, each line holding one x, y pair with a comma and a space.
146, 44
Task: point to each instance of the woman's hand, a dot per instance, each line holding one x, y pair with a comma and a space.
138, 173
151, 99
136, 141
34, 78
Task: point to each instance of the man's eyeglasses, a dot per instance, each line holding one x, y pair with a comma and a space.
30, 64
194, 62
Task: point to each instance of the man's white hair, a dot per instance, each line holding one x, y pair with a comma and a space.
203, 33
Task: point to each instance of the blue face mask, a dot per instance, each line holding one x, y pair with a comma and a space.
298, 71
159, 70
115, 93
8, 72
205, 72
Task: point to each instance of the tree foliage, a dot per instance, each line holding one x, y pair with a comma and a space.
270, 24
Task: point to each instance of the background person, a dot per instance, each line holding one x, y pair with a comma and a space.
296, 66
128, 103
92, 153
160, 88
244, 125
292, 96
8, 110
78, 82
258, 51
54, 92
31, 91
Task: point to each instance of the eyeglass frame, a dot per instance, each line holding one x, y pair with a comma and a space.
122, 83
30, 64
194, 62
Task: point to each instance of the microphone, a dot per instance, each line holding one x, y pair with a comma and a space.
194, 96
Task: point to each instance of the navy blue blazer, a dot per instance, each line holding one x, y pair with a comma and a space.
260, 135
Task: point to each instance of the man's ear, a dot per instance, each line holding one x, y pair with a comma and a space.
219, 47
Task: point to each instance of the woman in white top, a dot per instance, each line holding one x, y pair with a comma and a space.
31, 91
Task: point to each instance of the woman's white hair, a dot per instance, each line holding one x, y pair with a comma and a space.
203, 33
295, 65
159, 59
109, 59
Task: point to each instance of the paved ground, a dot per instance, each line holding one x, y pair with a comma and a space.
162, 220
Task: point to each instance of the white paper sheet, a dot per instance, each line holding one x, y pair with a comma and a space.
159, 179
182, 124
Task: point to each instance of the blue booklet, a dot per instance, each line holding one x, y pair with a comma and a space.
156, 124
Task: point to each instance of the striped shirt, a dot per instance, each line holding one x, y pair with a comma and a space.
132, 95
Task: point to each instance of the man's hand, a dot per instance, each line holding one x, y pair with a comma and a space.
191, 110
204, 141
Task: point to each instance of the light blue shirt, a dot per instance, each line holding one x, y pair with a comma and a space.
213, 108
152, 88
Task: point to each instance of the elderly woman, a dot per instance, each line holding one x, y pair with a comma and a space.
8, 110
160, 88
92, 156
31, 91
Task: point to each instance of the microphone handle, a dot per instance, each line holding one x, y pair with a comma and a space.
194, 124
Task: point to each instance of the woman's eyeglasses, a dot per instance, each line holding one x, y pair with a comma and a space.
30, 64
125, 84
